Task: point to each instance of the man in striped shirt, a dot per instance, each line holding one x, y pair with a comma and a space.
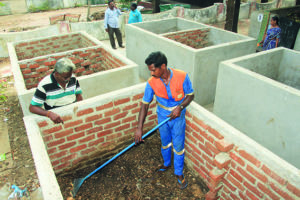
55, 90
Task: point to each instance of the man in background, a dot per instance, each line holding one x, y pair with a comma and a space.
111, 24
134, 15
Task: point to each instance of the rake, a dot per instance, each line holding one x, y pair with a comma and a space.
78, 182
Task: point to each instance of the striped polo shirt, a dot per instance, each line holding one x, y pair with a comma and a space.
50, 94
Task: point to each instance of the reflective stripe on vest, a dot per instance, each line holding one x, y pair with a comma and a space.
176, 85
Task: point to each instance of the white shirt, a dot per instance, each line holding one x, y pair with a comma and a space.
112, 18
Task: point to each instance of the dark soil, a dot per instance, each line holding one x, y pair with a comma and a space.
133, 176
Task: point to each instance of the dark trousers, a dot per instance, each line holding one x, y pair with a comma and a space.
118, 33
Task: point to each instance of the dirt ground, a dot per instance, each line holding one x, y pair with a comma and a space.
22, 172
133, 176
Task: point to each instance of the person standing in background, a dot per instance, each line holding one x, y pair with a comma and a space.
272, 37
111, 24
134, 15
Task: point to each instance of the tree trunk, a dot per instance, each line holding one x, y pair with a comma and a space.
297, 2
88, 11
264, 1
155, 6
232, 16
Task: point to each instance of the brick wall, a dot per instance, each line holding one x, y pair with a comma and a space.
87, 61
93, 130
195, 38
229, 171
56, 44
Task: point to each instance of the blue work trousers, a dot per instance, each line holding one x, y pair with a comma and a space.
172, 133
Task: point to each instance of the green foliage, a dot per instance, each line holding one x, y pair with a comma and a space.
125, 3
77, 5
2, 4
43, 7
3, 86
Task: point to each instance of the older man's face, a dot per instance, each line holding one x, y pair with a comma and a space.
63, 77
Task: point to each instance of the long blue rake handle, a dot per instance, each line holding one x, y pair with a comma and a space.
78, 182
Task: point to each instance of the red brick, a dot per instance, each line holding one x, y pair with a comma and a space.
258, 175
22, 44
191, 138
281, 192
197, 136
236, 175
78, 70
63, 133
95, 130
246, 175
96, 142
52, 130
67, 158
229, 185
85, 112
35, 75
104, 133
129, 119
42, 124
67, 145
234, 197
34, 42
265, 190
51, 151
86, 139
75, 136
250, 158
78, 148
203, 175
215, 132
253, 189
84, 127
58, 155
251, 196
86, 63
273, 175
235, 182
135, 110
223, 145
200, 122
138, 97
112, 112
50, 63
123, 127
193, 126
121, 115
26, 71
212, 147
84, 54
23, 66
48, 138
148, 124
45, 40
87, 151
121, 101
207, 151
56, 142
73, 123
208, 159
66, 118
130, 131
237, 158
293, 189
40, 60
105, 106
242, 196
33, 66
113, 136
103, 121
112, 125
42, 69
57, 57
62, 166
54, 163
195, 161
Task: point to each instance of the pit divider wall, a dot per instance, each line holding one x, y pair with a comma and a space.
233, 165
92, 126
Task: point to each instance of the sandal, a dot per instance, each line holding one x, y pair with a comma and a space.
182, 184
162, 168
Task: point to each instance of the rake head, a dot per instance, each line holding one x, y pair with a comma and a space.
76, 185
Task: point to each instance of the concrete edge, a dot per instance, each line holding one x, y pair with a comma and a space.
282, 168
42, 162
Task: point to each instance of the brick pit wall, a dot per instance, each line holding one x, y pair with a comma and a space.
230, 172
92, 130
56, 44
87, 61
195, 38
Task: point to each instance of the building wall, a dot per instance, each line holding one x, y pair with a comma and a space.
273, 122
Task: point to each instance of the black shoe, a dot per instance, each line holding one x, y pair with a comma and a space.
122, 46
114, 47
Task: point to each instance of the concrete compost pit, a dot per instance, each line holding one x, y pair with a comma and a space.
190, 46
95, 64
55, 44
259, 94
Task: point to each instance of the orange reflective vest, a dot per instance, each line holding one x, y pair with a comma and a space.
176, 85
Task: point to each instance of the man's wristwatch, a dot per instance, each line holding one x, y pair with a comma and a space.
181, 107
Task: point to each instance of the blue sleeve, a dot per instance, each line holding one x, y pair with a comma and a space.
140, 17
187, 86
148, 95
105, 20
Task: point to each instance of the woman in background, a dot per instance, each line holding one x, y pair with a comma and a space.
271, 39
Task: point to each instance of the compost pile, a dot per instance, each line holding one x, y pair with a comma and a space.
133, 176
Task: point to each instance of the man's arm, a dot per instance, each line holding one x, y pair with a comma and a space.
177, 111
141, 120
105, 21
40, 111
79, 97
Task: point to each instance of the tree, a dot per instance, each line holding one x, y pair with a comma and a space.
264, 1
298, 2
155, 6
232, 16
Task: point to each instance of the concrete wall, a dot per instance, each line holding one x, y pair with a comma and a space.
200, 64
127, 75
264, 109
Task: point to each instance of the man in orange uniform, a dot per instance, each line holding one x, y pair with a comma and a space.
174, 92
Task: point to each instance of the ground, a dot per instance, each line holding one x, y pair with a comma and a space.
133, 176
